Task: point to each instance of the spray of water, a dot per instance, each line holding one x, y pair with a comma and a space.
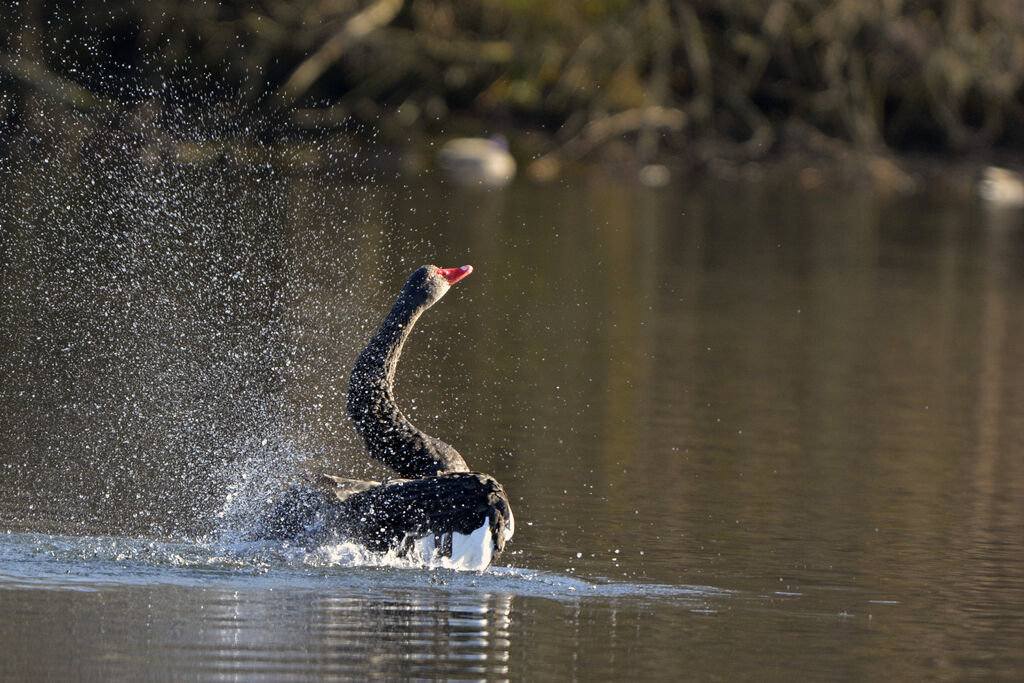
182, 293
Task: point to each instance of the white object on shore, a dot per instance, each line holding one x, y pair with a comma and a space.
478, 161
1001, 186
654, 175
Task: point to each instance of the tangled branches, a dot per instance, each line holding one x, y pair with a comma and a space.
747, 76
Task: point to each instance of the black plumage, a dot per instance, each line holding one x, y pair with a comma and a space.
436, 495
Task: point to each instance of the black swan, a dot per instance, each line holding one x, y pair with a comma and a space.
438, 508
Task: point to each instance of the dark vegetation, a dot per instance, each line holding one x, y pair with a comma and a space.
696, 80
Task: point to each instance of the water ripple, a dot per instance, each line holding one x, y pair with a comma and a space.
91, 563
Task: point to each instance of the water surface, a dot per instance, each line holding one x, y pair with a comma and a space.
747, 431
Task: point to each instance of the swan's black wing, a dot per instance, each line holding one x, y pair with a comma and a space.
298, 517
464, 516
308, 513
401, 511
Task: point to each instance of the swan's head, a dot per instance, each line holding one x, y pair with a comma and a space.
429, 283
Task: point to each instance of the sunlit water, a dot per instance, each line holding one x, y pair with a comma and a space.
747, 432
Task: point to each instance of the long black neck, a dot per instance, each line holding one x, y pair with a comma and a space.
390, 437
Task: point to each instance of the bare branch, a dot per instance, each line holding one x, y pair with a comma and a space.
37, 76
355, 30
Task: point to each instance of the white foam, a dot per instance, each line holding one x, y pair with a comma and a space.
424, 548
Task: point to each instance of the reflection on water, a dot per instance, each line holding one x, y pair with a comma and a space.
135, 631
810, 402
157, 606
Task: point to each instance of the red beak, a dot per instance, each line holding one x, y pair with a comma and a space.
453, 275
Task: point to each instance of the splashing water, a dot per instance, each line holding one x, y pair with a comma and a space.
178, 314
90, 563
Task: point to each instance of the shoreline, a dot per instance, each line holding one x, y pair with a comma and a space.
812, 163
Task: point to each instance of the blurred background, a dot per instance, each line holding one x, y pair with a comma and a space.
710, 85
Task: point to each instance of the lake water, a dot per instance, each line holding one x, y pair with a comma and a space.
748, 432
